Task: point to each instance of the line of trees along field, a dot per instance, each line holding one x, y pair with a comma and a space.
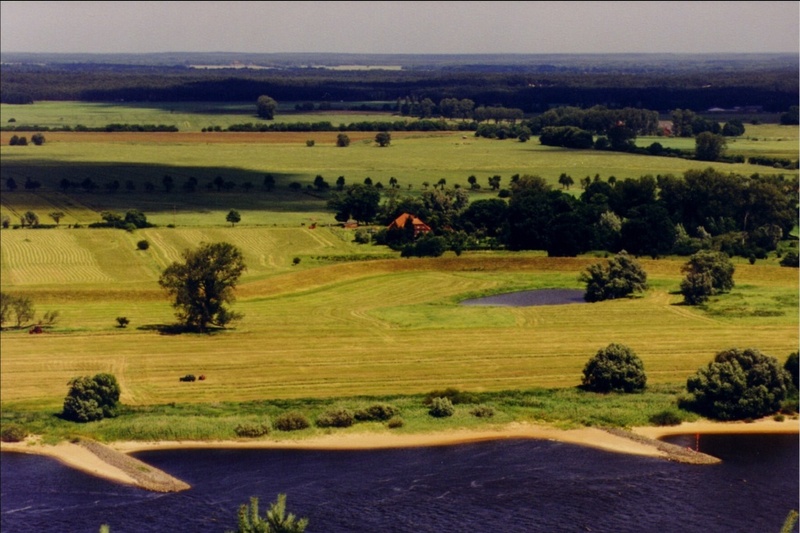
708, 209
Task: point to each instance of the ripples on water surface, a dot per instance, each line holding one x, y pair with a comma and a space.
503, 486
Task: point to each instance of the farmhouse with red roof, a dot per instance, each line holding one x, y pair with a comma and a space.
401, 221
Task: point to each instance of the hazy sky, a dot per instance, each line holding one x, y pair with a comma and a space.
400, 27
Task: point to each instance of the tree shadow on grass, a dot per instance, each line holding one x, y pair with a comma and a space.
179, 329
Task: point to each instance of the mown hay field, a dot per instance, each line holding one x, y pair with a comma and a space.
327, 328
347, 320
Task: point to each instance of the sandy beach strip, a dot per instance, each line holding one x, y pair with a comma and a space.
112, 461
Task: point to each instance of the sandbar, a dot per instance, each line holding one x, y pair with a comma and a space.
113, 462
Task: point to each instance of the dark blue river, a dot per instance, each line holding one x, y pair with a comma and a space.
498, 487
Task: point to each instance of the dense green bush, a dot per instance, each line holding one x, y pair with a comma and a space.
291, 421
426, 246
739, 384
13, 433
253, 430
619, 278
441, 408
707, 273
91, 398
395, 422
482, 411
615, 368
791, 259
336, 418
362, 237
455, 396
666, 418
378, 411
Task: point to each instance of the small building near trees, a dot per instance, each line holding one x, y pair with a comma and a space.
419, 226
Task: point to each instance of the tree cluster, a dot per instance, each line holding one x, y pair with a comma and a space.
20, 311
133, 219
703, 210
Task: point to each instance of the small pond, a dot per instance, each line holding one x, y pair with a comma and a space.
531, 298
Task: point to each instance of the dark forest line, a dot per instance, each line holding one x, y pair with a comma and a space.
769, 83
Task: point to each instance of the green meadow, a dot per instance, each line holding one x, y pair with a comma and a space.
347, 324
414, 160
189, 116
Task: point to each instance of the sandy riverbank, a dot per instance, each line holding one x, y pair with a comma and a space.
113, 462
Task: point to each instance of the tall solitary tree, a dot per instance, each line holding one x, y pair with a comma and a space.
266, 106
383, 138
233, 217
342, 140
709, 146
57, 216
707, 273
203, 285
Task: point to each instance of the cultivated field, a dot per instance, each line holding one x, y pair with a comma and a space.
348, 320
414, 159
337, 329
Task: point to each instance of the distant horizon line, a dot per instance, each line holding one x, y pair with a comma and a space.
459, 54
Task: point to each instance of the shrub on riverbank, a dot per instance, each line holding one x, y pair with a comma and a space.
614, 368
567, 407
13, 433
376, 412
292, 421
91, 398
739, 384
336, 418
253, 430
441, 408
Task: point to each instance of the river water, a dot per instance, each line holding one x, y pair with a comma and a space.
531, 298
498, 487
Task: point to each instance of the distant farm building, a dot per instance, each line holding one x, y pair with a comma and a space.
401, 221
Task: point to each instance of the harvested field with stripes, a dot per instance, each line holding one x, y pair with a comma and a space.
370, 327
326, 318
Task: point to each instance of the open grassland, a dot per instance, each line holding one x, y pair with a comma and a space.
413, 159
331, 329
186, 116
348, 324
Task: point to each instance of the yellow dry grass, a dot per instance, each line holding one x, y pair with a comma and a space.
358, 328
